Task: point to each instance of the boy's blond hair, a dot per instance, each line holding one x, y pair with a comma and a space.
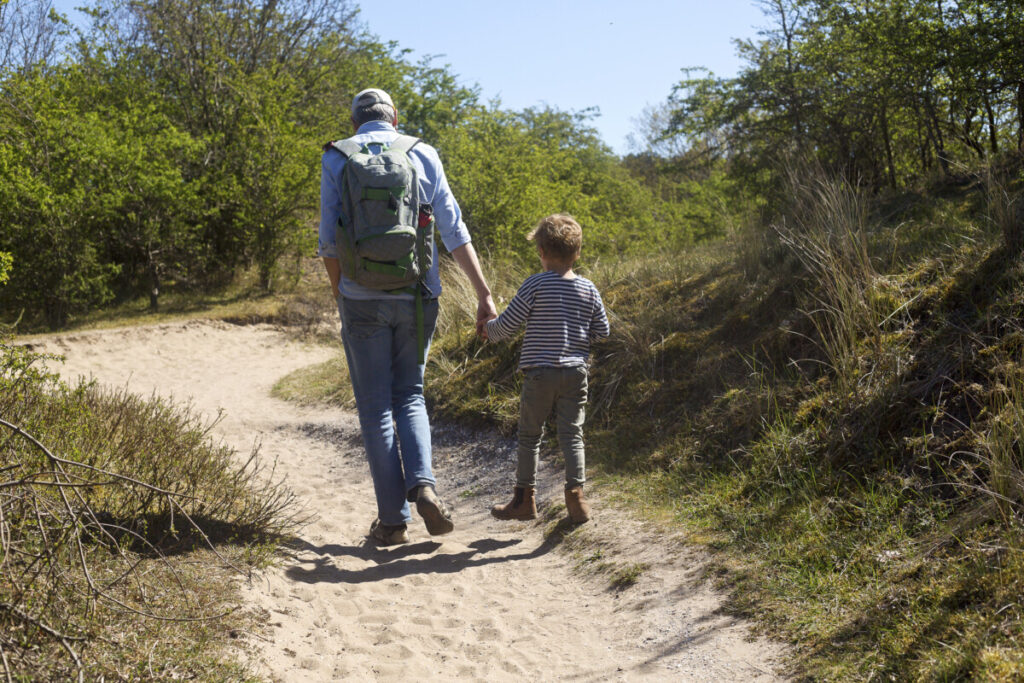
559, 236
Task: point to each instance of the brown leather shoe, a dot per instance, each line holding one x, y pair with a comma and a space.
522, 506
388, 534
579, 510
434, 512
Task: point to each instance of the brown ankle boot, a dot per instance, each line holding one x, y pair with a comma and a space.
579, 510
522, 506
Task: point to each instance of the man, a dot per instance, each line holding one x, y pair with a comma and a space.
379, 331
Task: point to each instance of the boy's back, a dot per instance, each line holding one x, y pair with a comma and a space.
562, 315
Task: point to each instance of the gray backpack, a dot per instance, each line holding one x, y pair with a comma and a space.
385, 238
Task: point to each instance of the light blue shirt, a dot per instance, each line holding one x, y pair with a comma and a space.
434, 190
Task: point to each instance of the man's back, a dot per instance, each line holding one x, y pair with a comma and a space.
433, 190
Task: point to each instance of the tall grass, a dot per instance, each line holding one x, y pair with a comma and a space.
1004, 205
826, 229
477, 382
817, 399
1003, 444
803, 407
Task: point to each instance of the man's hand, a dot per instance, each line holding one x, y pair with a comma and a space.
485, 311
333, 274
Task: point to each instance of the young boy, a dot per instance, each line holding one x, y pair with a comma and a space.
563, 313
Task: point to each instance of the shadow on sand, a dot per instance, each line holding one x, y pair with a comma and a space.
416, 558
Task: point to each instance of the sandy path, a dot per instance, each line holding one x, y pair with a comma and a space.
490, 601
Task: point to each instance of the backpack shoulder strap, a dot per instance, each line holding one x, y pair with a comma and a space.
346, 147
404, 143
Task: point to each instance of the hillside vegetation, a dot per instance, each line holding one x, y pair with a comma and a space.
813, 271
834, 405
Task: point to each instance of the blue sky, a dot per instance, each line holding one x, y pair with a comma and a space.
572, 54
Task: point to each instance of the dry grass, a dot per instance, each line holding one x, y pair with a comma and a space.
120, 522
832, 404
827, 230
812, 398
1002, 450
1004, 205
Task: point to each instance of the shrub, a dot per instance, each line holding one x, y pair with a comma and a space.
99, 493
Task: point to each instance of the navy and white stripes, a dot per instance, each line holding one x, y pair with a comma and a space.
562, 316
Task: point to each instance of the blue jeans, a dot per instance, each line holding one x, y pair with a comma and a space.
387, 380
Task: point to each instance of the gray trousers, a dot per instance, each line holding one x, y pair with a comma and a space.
565, 391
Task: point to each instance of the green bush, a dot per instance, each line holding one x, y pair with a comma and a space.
91, 204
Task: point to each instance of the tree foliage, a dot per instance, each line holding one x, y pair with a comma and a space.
884, 91
175, 144
86, 195
509, 169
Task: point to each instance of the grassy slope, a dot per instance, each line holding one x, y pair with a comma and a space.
848, 489
85, 553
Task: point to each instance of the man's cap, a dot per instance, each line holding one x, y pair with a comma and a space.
370, 97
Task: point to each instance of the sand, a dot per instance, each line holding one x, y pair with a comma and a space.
491, 601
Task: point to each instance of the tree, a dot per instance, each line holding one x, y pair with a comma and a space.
248, 81
86, 195
882, 92
34, 34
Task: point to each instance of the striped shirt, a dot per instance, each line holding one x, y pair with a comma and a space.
562, 316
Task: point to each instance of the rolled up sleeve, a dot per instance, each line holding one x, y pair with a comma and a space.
447, 214
330, 203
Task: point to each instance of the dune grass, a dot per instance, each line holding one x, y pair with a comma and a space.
124, 531
831, 403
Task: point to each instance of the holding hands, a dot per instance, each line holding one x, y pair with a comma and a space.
485, 311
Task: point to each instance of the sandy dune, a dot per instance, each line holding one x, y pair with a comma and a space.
491, 601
